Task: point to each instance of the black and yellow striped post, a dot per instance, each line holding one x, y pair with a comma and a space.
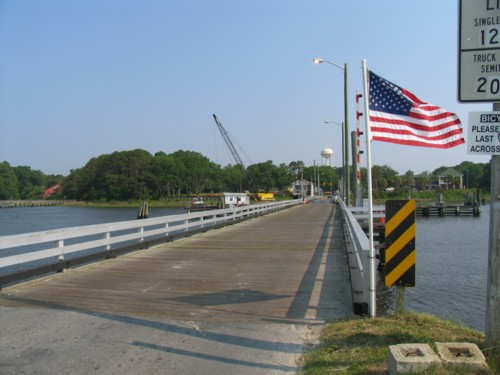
400, 249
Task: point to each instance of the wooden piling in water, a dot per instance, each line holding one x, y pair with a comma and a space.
143, 210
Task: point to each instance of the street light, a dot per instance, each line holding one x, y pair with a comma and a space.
346, 123
343, 156
316, 182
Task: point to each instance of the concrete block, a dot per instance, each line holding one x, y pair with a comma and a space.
411, 358
462, 355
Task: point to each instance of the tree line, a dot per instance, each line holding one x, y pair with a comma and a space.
137, 174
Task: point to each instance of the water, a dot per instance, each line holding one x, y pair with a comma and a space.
451, 273
34, 219
451, 268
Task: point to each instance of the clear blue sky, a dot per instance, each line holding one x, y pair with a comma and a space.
82, 78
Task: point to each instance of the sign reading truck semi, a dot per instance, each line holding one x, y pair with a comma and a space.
484, 133
479, 51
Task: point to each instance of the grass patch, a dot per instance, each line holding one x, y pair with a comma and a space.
360, 346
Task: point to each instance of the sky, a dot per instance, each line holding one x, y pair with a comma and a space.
83, 78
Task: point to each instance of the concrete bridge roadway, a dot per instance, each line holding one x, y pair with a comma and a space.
249, 298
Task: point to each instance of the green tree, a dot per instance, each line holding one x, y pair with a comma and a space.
308, 173
364, 176
9, 185
296, 169
474, 174
383, 177
329, 178
233, 178
423, 180
485, 181
75, 184
262, 176
282, 177
167, 181
122, 175
407, 181
31, 183
196, 171
136, 174
216, 183
93, 183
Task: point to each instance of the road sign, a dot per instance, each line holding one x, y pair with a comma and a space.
479, 51
400, 233
484, 133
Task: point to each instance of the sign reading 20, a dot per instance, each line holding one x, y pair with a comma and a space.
490, 86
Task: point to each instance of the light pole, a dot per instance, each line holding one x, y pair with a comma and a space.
346, 125
314, 177
344, 187
316, 182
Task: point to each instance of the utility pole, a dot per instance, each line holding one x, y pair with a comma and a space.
472, 42
346, 133
492, 332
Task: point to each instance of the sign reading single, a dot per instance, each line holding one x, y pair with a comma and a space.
484, 133
479, 51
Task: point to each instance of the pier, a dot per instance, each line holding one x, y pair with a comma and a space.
246, 298
448, 210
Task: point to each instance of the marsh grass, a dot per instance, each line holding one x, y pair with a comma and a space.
360, 346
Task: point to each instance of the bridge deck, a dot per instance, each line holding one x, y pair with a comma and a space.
283, 266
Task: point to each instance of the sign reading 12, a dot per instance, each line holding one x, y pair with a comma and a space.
489, 37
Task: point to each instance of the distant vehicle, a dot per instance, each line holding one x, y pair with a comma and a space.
197, 201
266, 197
389, 189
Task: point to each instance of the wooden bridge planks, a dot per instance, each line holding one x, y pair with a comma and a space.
262, 269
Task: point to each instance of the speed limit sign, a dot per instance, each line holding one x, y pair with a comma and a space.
479, 51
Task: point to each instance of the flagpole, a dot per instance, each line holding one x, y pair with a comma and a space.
371, 256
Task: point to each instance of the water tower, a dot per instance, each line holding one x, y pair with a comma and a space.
327, 156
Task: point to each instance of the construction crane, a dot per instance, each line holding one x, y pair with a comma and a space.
237, 158
229, 143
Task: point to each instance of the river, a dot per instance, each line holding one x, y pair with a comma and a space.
451, 269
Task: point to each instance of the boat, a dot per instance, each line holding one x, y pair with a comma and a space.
223, 200
197, 204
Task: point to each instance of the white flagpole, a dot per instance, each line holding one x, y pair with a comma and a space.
372, 307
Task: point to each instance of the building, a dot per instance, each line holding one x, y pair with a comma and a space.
302, 189
52, 190
236, 199
450, 179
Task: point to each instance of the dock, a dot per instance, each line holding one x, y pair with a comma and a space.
448, 210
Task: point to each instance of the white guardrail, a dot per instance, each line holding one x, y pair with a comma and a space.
55, 250
358, 251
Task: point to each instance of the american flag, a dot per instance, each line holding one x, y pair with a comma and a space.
398, 116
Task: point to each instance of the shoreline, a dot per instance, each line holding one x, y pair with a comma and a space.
360, 345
